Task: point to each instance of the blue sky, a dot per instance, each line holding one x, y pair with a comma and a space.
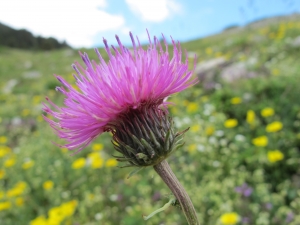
84, 23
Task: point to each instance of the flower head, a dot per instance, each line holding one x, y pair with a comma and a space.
266, 112
260, 141
245, 190
274, 127
250, 118
275, 155
229, 218
119, 95
236, 101
230, 123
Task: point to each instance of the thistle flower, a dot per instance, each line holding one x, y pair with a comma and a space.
125, 96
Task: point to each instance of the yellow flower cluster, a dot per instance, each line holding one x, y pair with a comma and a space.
3, 139
260, 141
192, 107
4, 150
9, 162
2, 174
78, 163
5, 205
236, 100
195, 128
266, 112
250, 118
97, 147
192, 148
209, 130
230, 123
95, 160
229, 218
112, 162
48, 185
56, 215
28, 164
36, 100
17, 190
274, 127
275, 155
282, 29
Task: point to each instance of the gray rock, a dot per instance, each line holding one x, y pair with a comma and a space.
236, 71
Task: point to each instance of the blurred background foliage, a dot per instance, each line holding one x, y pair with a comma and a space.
240, 163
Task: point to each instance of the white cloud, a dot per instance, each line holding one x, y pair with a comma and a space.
75, 21
154, 10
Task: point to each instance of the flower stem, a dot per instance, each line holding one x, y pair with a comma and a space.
166, 173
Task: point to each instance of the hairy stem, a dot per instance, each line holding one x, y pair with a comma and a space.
166, 173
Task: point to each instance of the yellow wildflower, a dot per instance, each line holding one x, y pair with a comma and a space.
18, 189
208, 51
174, 110
192, 107
4, 150
25, 112
260, 141
64, 150
229, 218
111, 162
93, 155
274, 127
97, 163
41, 220
250, 116
96, 160
9, 162
55, 215
48, 185
21, 184
19, 201
68, 208
78, 163
275, 72
2, 174
274, 156
230, 123
37, 99
40, 118
3, 139
209, 130
195, 128
266, 112
192, 148
2, 194
97, 147
236, 100
5, 205
28, 164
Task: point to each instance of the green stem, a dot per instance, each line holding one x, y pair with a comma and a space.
166, 173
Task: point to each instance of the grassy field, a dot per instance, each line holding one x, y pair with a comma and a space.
240, 163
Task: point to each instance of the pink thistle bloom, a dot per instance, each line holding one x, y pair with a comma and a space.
129, 81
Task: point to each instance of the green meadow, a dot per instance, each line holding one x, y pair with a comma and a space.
240, 162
